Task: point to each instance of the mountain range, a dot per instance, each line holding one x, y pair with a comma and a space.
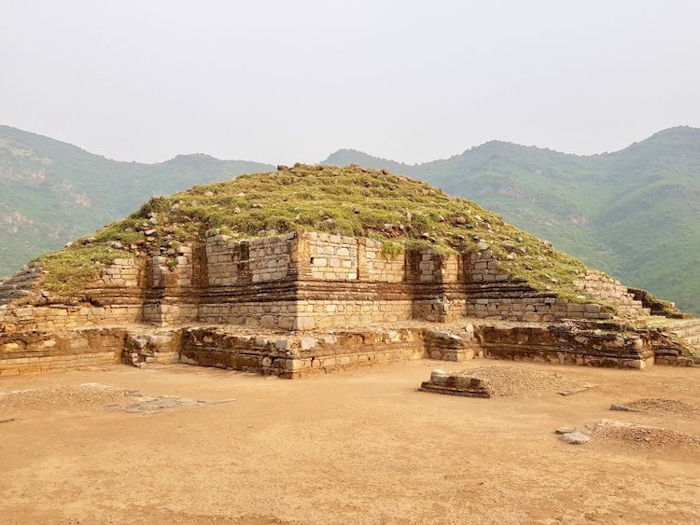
634, 213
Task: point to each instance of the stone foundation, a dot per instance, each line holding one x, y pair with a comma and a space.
295, 355
36, 352
310, 282
302, 281
567, 345
143, 348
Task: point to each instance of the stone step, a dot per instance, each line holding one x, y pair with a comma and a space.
18, 285
687, 332
633, 310
684, 323
693, 340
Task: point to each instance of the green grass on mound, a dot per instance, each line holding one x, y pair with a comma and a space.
402, 213
69, 270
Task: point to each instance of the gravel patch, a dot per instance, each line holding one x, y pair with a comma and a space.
91, 396
643, 436
150, 404
673, 407
515, 381
87, 395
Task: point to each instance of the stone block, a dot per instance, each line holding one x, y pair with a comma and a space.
304, 323
268, 321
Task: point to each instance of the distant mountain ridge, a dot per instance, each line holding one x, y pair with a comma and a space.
53, 191
633, 212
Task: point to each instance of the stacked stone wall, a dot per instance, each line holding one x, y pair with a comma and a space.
170, 313
271, 259
298, 356
224, 260
438, 295
379, 267
170, 298
349, 350
562, 344
480, 266
325, 258
611, 291
282, 314
442, 308
448, 346
58, 316
36, 352
310, 280
142, 348
486, 291
513, 305
338, 313
115, 297
332, 257
19, 285
231, 262
494, 294
433, 267
173, 272
122, 273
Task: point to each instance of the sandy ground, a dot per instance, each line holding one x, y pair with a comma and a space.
355, 447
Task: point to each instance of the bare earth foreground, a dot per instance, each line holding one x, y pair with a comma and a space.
359, 447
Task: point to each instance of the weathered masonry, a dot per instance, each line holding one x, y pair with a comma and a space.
310, 282
313, 281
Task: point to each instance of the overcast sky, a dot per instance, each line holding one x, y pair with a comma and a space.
286, 81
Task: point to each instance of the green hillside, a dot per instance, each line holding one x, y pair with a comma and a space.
634, 213
53, 192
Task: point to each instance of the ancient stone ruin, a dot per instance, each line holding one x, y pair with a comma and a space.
456, 385
301, 302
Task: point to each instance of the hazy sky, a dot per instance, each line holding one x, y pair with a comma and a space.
282, 81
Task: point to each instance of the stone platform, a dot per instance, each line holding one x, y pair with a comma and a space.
297, 354
309, 302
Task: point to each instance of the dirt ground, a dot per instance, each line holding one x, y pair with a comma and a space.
195, 445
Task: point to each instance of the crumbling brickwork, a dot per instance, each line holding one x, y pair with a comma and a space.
613, 292
34, 352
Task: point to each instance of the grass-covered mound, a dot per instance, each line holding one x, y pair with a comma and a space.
402, 213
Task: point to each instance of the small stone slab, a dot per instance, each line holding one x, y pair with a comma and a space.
583, 388
575, 438
456, 385
427, 386
620, 408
